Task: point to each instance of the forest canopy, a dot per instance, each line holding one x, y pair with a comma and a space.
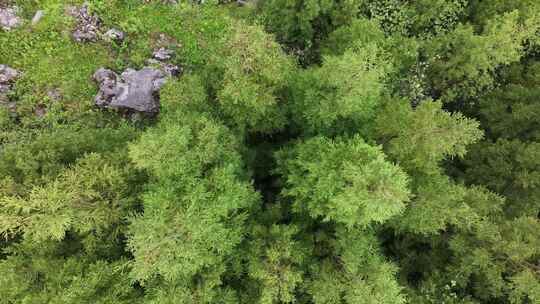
270, 151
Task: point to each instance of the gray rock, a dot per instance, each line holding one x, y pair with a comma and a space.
54, 95
169, 69
8, 75
40, 110
160, 58
88, 25
4, 88
114, 35
9, 19
133, 90
163, 54
37, 17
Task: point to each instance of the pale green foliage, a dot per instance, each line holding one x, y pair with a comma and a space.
525, 285
205, 288
254, 71
345, 181
274, 262
93, 195
418, 139
51, 273
197, 200
361, 31
343, 93
357, 274
38, 157
437, 203
189, 145
193, 208
186, 96
398, 53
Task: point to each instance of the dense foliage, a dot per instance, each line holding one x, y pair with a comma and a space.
312, 151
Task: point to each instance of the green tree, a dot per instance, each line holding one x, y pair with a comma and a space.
420, 138
255, 70
343, 94
462, 63
195, 206
347, 182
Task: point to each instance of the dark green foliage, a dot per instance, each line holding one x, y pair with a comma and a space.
510, 111
312, 152
462, 64
508, 161
510, 168
302, 24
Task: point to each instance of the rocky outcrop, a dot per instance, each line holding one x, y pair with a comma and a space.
54, 95
9, 19
161, 59
132, 91
8, 76
163, 54
115, 35
88, 24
